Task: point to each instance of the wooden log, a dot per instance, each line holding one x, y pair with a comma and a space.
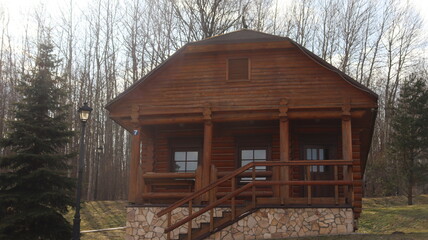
206, 161
347, 146
284, 139
235, 116
134, 166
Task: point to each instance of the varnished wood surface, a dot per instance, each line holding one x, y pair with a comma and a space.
199, 78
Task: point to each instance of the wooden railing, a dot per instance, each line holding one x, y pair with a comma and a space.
185, 180
233, 176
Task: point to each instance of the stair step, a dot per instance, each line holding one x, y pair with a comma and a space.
219, 222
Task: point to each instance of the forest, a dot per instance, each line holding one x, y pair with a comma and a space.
104, 46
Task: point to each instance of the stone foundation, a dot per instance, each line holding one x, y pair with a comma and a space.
142, 223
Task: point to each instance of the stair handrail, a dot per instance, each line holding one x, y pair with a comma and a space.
205, 189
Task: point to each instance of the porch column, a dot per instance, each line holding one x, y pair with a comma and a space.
206, 160
284, 139
134, 166
347, 147
147, 161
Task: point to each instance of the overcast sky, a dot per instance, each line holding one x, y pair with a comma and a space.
19, 9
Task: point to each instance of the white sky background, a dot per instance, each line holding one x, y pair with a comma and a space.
17, 11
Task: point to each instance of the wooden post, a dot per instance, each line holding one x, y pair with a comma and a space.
213, 192
146, 163
206, 163
284, 138
134, 166
309, 187
198, 183
347, 144
336, 187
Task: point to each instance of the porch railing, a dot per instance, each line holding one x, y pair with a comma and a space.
229, 200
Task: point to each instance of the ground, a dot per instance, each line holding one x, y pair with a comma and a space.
383, 218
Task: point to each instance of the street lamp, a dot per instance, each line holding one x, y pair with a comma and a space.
84, 113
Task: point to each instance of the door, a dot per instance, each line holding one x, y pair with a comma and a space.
320, 172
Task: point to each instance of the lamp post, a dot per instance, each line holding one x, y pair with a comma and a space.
84, 113
99, 152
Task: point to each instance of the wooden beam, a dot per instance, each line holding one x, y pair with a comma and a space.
284, 139
346, 138
146, 163
243, 116
206, 163
347, 144
134, 166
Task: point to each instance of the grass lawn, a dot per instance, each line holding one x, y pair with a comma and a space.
380, 218
99, 215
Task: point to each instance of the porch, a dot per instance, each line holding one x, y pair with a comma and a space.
304, 158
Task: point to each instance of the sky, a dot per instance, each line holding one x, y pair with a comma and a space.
19, 8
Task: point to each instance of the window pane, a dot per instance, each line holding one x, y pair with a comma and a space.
180, 166
308, 154
191, 166
314, 154
261, 168
321, 154
192, 156
180, 156
247, 154
260, 154
314, 168
321, 168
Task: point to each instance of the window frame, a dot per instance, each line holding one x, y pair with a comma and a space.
184, 145
253, 143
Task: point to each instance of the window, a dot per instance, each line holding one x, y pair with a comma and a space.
316, 154
185, 154
185, 161
249, 155
238, 69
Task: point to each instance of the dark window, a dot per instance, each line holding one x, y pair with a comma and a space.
316, 154
238, 69
248, 155
185, 161
185, 154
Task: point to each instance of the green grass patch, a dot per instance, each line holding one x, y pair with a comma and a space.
392, 214
100, 215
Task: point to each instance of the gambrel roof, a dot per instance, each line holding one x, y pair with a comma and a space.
244, 36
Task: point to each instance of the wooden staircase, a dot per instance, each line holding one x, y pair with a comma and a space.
236, 208
206, 228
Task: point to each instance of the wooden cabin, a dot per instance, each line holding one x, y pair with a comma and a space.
243, 128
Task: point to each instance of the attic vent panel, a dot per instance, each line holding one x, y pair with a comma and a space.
238, 69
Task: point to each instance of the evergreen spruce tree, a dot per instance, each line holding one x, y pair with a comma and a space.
34, 189
409, 139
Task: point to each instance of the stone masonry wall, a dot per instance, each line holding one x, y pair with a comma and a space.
142, 223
